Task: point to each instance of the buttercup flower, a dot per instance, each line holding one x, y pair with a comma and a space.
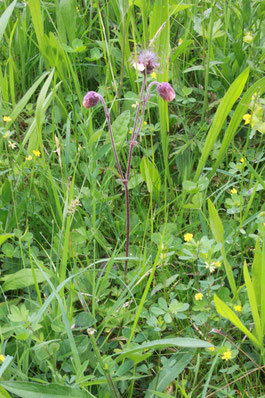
227, 355
242, 160
233, 191
7, 119
2, 358
198, 296
147, 62
188, 237
217, 264
36, 153
211, 349
166, 92
91, 99
153, 75
247, 118
238, 308
248, 38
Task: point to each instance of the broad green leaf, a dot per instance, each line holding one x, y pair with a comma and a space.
165, 343
218, 233
120, 128
160, 394
26, 389
170, 371
4, 237
253, 303
223, 109
20, 279
67, 13
150, 175
5, 18
227, 313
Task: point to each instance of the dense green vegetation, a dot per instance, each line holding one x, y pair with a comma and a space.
188, 318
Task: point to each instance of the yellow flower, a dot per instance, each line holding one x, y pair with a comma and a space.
29, 157
145, 123
233, 191
153, 75
242, 160
7, 119
130, 132
211, 349
248, 38
188, 237
180, 41
6, 135
198, 296
238, 308
217, 264
227, 355
2, 358
247, 118
36, 153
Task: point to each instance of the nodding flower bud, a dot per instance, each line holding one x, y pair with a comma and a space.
91, 99
166, 91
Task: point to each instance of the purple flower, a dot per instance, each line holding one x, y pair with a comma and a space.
91, 99
166, 91
147, 62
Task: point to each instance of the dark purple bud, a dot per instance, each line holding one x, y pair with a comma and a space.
91, 99
166, 91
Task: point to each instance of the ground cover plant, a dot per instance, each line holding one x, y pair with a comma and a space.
180, 311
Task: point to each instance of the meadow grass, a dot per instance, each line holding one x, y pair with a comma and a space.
189, 318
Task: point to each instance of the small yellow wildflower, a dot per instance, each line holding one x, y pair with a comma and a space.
11, 145
145, 123
6, 135
2, 358
36, 153
247, 118
248, 38
180, 41
188, 237
238, 308
217, 264
198, 296
7, 119
242, 160
153, 75
130, 131
233, 191
227, 355
211, 349
29, 157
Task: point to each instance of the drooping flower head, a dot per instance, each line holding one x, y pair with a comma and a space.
91, 99
147, 62
165, 91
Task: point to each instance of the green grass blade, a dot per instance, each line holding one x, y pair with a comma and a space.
227, 313
5, 18
241, 109
218, 233
223, 109
35, 10
253, 303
